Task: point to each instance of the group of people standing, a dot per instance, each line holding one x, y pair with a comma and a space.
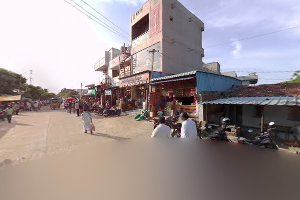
188, 128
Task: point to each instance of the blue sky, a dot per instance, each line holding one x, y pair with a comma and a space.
61, 45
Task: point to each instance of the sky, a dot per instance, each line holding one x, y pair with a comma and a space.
61, 45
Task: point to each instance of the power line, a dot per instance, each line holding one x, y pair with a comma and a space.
254, 36
118, 32
95, 19
266, 72
105, 25
105, 17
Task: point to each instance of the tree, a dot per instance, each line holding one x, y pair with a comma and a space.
295, 78
65, 93
11, 83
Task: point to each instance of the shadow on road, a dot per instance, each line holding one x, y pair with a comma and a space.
110, 136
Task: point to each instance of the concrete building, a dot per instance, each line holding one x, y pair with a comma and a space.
254, 107
109, 67
168, 27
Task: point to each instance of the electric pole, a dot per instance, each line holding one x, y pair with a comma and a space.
153, 51
80, 91
30, 77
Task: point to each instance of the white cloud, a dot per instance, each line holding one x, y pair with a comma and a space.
237, 48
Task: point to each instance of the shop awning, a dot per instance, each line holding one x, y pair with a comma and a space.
265, 101
10, 98
92, 92
172, 80
175, 76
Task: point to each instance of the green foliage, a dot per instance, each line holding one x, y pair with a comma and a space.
65, 93
296, 78
36, 92
11, 83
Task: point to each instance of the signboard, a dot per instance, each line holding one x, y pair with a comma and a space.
107, 92
155, 21
138, 79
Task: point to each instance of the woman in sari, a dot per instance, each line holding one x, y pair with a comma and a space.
87, 121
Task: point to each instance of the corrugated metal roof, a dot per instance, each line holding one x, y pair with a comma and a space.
178, 79
174, 76
279, 101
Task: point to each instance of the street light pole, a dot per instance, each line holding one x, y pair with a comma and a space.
80, 91
153, 51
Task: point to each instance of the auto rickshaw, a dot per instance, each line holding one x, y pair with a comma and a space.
54, 103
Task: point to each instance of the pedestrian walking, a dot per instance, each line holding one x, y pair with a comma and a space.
77, 108
87, 121
86, 106
188, 128
70, 107
36, 106
16, 108
9, 113
28, 104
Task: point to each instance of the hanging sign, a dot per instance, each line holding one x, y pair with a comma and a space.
107, 92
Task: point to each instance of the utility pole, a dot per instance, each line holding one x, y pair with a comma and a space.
153, 51
80, 91
30, 77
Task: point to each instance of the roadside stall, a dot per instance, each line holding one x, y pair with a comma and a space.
184, 92
134, 90
173, 95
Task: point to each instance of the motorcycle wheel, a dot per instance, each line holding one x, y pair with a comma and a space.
271, 146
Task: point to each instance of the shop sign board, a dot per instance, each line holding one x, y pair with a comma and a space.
135, 80
107, 92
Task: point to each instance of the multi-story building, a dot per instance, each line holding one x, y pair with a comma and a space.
166, 38
168, 27
109, 68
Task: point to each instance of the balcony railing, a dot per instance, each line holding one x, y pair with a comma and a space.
140, 40
101, 65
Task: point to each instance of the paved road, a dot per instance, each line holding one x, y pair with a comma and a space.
109, 166
33, 134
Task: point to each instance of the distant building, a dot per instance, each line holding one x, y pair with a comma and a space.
254, 107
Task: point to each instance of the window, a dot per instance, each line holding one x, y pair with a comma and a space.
294, 113
115, 73
140, 27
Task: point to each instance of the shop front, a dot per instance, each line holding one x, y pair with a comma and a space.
134, 90
174, 97
185, 92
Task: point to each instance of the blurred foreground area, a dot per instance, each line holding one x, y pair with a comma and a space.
155, 169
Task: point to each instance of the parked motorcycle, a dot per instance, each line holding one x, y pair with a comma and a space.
220, 133
263, 140
98, 110
112, 112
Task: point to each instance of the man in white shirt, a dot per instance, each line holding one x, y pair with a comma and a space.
188, 128
162, 130
77, 108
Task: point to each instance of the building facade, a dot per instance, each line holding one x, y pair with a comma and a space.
166, 38
168, 27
